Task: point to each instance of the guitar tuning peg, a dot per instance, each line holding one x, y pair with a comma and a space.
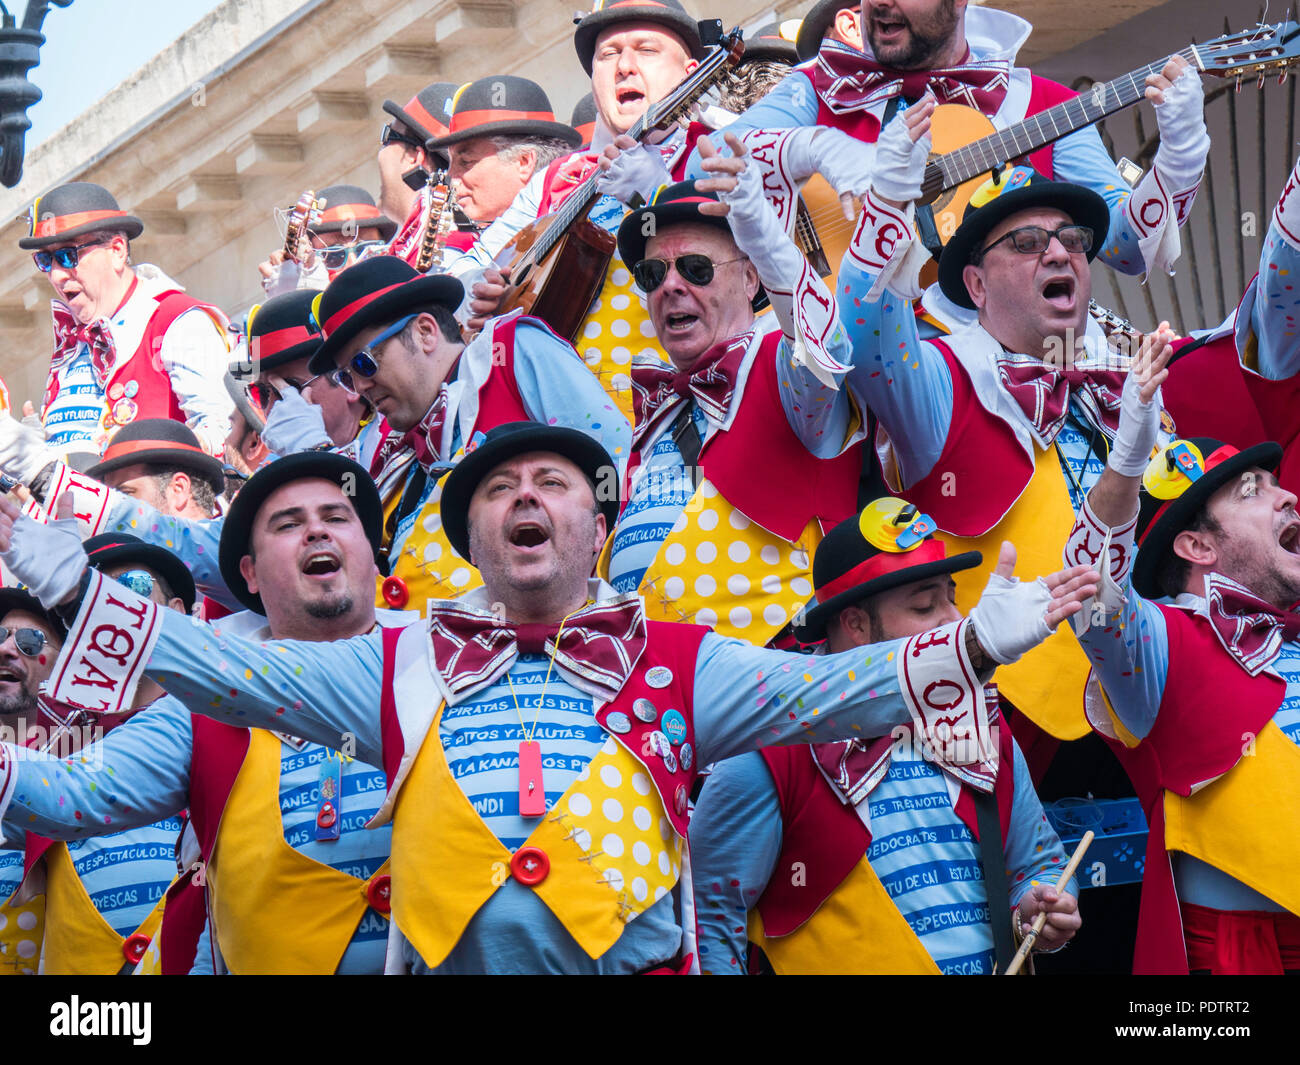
1237, 87
1260, 83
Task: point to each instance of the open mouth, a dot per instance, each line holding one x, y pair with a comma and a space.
1059, 292
629, 96
320, 565
681, 321
528, 535
888, 25
10, 676
1289, 540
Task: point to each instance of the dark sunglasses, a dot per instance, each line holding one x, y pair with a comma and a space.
1033, 240
364, 363
388, 135
265, 394
695, 269
65, 257
28, 641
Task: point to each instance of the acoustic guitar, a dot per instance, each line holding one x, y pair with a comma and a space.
558, 263
967, 147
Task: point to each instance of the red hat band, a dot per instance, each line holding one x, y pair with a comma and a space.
51, 226
879, 565
344, 313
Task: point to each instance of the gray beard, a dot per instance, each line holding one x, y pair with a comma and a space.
328, 609
22, 705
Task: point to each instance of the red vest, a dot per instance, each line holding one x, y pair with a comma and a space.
499, 398
1242, 409
1209, 703
155, 398
829, 839
982, 450
794, 487
864, 126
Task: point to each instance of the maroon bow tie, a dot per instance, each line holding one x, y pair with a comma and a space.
1250, 629
854, 767
849, 81
70, 334
426, 438
600, 643
657, 390
1043, 393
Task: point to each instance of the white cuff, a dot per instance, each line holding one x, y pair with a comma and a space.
1110, 552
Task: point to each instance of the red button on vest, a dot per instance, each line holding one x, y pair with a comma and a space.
134, 947
379, 893
395, 592
530, 865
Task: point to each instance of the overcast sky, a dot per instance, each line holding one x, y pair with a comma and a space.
93, 45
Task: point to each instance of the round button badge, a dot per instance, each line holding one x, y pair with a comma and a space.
659, 677
618, 722
645, 711
674, 725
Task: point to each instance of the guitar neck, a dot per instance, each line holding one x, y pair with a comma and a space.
1039, 130
579, 202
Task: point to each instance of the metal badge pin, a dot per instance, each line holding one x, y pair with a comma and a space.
645, 711
618, 722
659, 677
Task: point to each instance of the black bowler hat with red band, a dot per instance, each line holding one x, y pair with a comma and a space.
502, 105
281, 330
118, 549
583, 118
159, 442
375, 292
886, 546
350, 208
606, 13
671, 205
425, 113
1179, 480
73, 210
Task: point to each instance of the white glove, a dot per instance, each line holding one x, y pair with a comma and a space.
900, 163
49, 559
290, 276
1139, 428
1011, 617
1110, 552
800, 299
635, 171
1184, 140
844, 161
294, 424
23, 451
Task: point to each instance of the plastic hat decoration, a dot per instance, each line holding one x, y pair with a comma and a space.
1015, 189
888, 545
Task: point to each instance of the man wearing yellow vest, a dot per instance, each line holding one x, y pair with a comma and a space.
292, 882
1200, 695
92, 906
998, 430
745, 445
863, 855
540, 736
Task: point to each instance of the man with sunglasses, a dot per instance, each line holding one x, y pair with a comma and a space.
98, 901
129, 343
744, 447
277, 850
349, 227
392, 338
998, 431
829, 115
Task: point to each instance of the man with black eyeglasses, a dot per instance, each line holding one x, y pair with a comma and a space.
390, 337
129, 343
999, 430
745, 446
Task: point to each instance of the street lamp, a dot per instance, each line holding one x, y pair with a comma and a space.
20, 50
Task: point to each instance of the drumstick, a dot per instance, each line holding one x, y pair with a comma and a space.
1028, 943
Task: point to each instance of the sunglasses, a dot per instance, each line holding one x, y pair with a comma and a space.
365, 363
337, 256
695, 269
28, 641
388, 135
142, 582
65, 257
1033, 240
265, 394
